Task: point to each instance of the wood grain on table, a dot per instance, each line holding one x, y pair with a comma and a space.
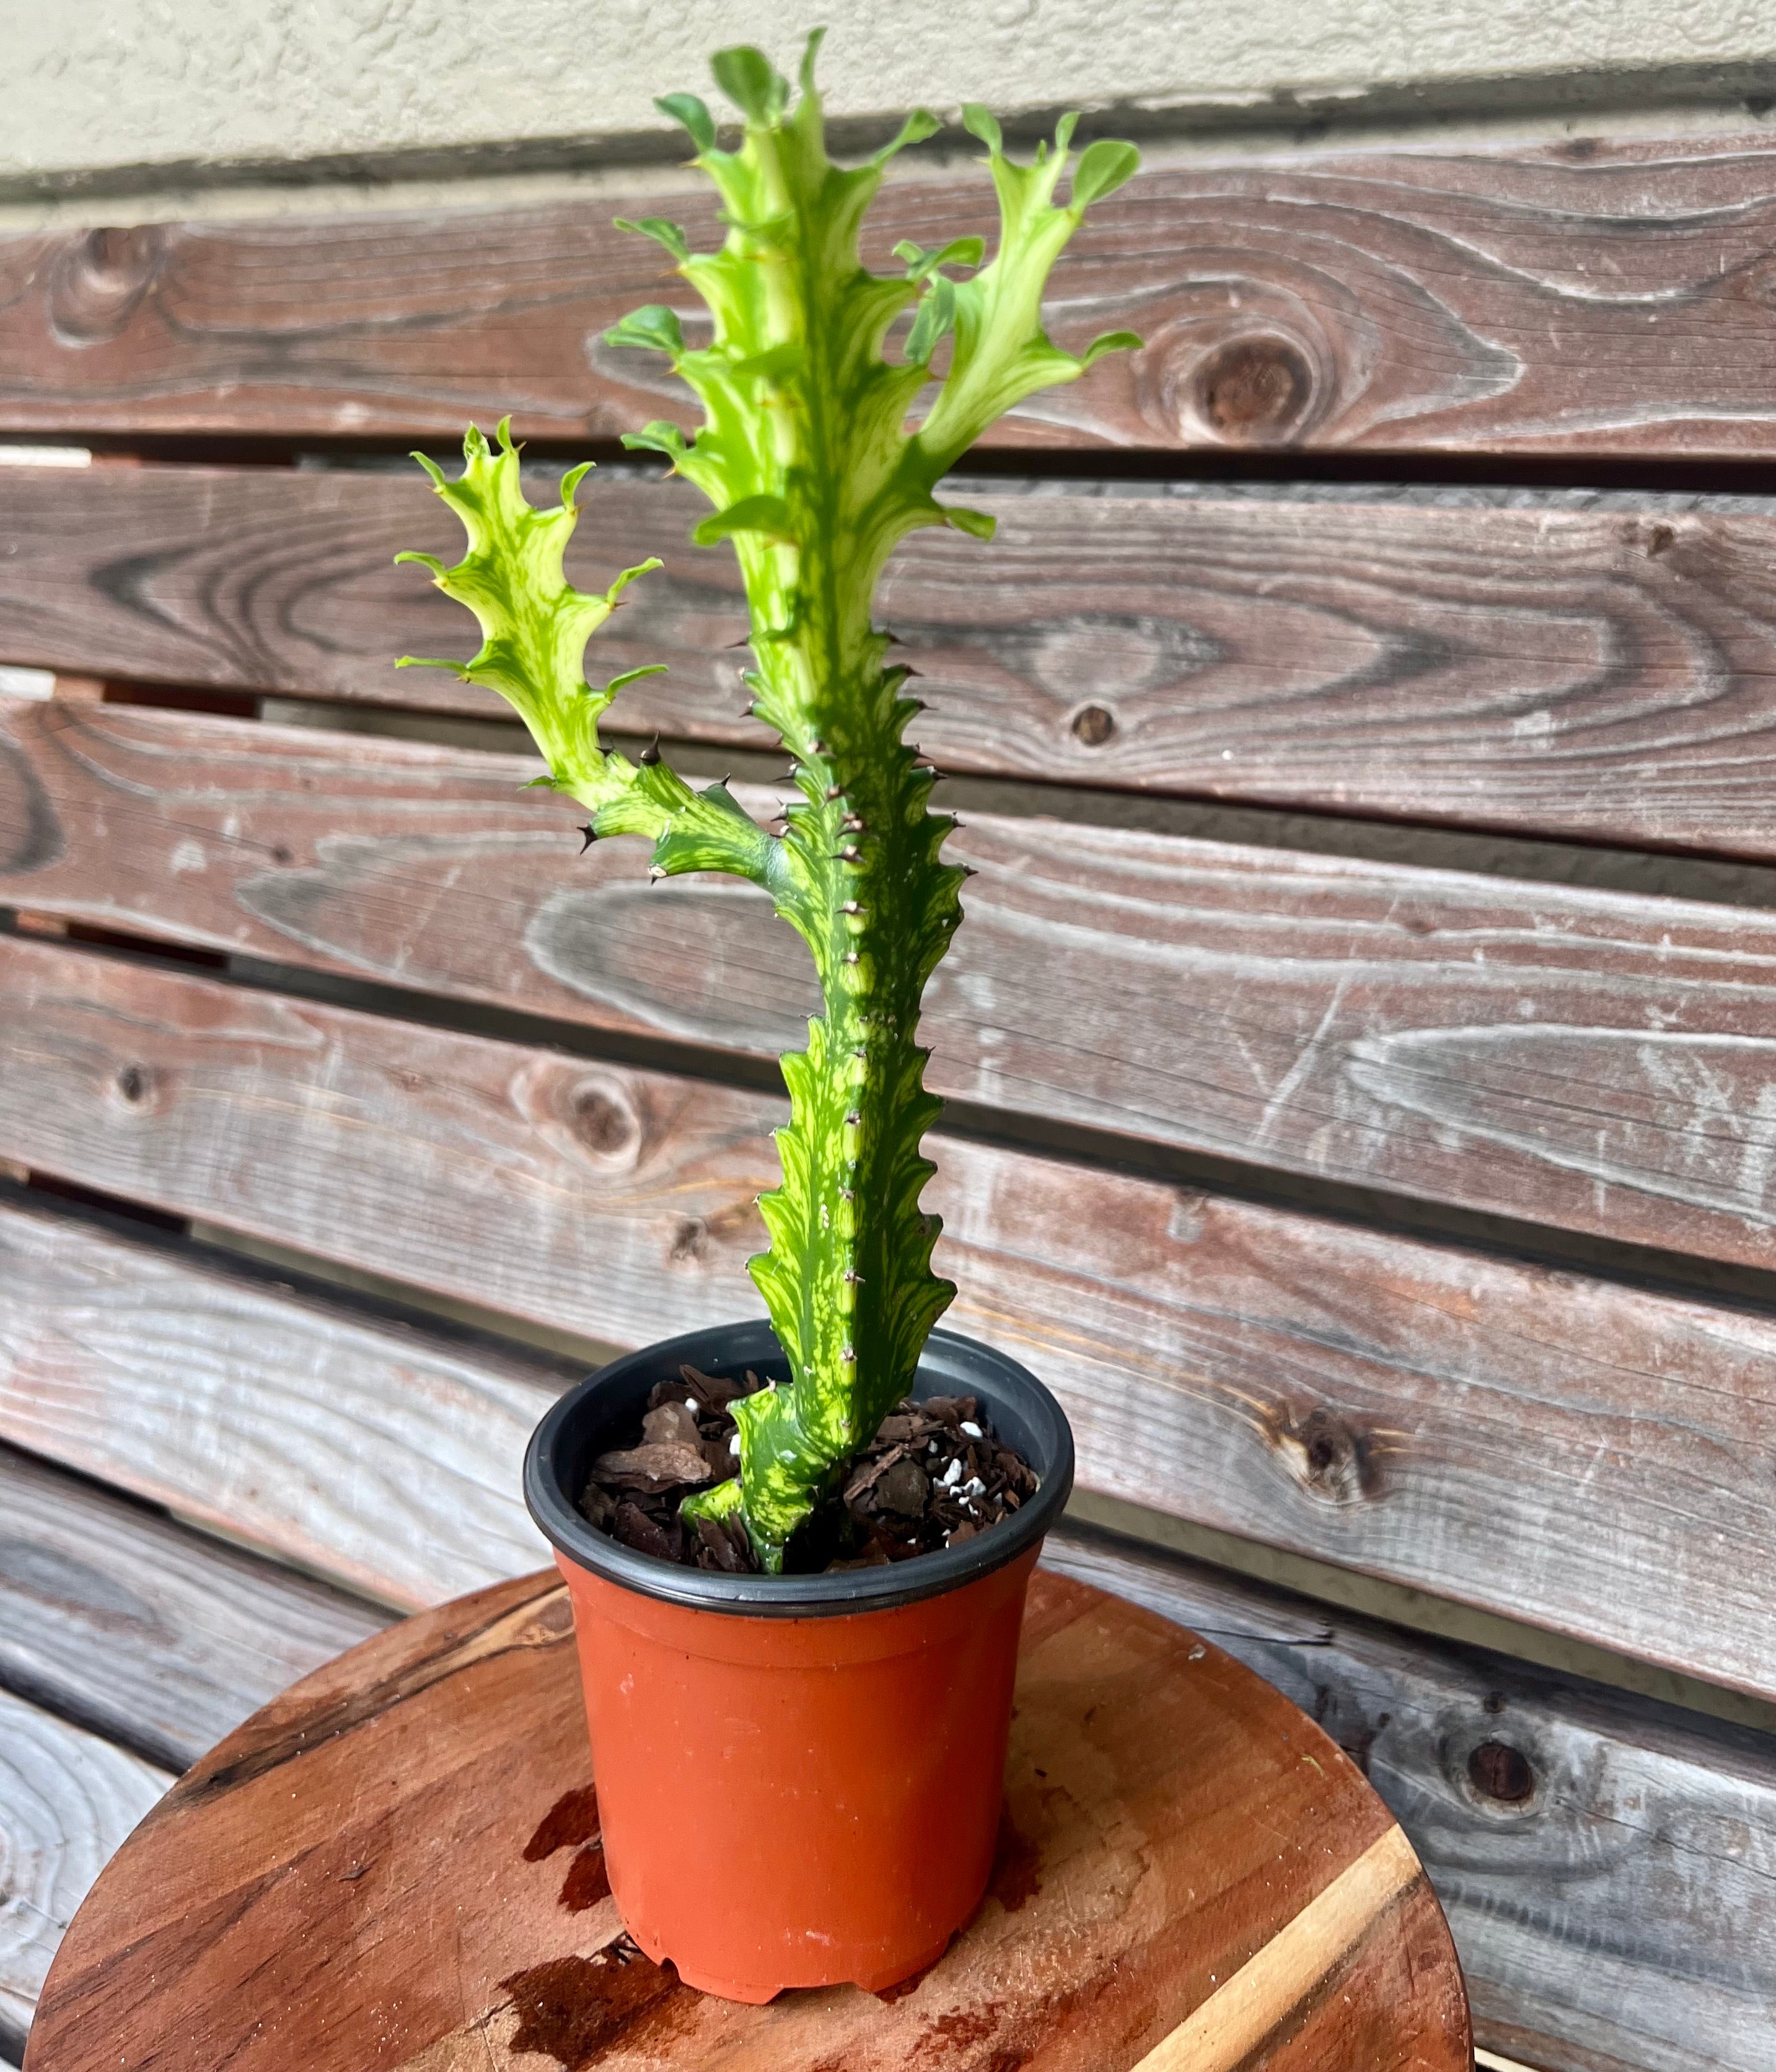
1585, 297
1197, 1881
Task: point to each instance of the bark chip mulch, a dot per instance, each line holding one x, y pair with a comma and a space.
933, 1476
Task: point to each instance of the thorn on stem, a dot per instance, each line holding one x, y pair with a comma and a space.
856, 1278
851, 956
850, 856
649, 755
591, 834
850, 907
853, 1120
847, 1355
834, 791
852, 823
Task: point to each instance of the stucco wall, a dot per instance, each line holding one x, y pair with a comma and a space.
179, 84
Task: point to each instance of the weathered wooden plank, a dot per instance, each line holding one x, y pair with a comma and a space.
1605, 674
1582, 297
66, 1800
148, 1633
1617, 1912
383, 1455
1561, 1055
1535, 1442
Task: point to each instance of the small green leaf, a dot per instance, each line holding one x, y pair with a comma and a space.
693, 114
981, 122
1104, 166
977, 524
632, 676
662, 232
1111, 341
629, 575
1064, 131
751, 82
425, 562
572, 480
959, 251
918, 126
810, 51
458, 669
654, 327
935, 320
659, 437
751, 514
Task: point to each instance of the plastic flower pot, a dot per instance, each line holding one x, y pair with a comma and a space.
798, 1777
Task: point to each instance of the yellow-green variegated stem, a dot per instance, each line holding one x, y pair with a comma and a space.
807, 456
534, 628
816, 474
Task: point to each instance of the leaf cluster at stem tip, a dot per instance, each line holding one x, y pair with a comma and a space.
821, 445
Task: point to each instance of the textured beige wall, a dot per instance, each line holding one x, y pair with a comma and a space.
178, 83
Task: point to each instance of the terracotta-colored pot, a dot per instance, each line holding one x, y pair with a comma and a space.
798, 1777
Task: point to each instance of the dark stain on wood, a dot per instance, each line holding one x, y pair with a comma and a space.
31, 838
578, 2010
574, 1819
911, 1984
588, 1879
1017, 1866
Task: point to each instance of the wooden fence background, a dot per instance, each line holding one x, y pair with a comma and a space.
1360, 1050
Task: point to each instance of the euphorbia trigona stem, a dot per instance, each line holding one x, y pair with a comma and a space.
816, 473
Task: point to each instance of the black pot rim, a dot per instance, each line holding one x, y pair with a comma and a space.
1023, 1413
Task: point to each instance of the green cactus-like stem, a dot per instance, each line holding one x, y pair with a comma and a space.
816, 474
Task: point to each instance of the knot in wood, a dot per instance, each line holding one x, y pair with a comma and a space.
1254, 391
604, 1122
1329, 1458
1502, 1774
1094, 726
98, 280
134, 1082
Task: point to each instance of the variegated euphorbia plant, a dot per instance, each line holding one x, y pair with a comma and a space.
819, 462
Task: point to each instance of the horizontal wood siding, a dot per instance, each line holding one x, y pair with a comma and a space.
1601, 674
66, 1800
1584, 1914
386, 1457
1536, 1442
1591, 1059
1587, 298
1618, 1914
142, 1629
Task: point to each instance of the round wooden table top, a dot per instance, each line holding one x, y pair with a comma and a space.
397, 1864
